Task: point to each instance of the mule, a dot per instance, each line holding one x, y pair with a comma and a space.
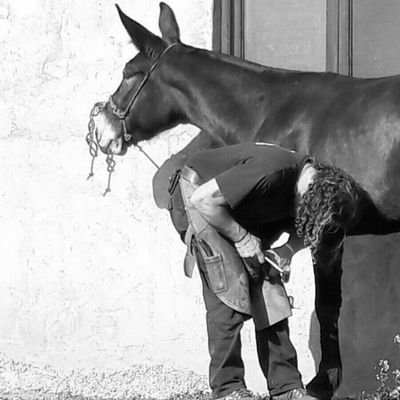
352, 123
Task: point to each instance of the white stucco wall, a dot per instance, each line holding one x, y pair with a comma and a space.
88, 281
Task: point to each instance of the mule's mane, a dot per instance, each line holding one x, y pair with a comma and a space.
260, 68
250, 65
242, 63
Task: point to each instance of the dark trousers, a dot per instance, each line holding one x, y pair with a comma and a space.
276, 354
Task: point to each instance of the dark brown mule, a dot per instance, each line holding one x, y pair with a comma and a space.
353, 123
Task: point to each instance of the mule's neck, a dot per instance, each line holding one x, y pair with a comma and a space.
221, 97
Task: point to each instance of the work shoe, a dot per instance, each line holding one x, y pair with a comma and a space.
240, 394
294, 394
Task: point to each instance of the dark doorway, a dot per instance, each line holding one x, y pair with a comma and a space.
362, 37
272, 32
359, 38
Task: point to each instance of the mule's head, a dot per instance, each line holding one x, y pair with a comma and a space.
141, 107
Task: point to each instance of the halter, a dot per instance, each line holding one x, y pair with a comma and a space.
122, 114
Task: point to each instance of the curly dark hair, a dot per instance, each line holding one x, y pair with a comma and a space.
327, 209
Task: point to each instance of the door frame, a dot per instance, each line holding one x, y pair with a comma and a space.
229, 24
339, 36
228, 27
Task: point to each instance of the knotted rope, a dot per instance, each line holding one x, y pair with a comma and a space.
94, 148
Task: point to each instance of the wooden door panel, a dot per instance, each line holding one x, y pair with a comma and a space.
376, 38
286, 33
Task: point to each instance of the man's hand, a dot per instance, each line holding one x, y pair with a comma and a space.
250, 246
249, 249
280, 258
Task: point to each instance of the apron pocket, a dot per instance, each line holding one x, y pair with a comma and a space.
216, 273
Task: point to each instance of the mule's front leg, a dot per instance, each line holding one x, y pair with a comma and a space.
328, 299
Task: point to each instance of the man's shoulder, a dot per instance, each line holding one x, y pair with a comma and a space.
273, 145
261, 154
273, 148
275, 155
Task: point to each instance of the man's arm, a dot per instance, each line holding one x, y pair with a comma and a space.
214, 208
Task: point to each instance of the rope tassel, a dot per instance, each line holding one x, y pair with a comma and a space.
110, 169
93, 150
90, 137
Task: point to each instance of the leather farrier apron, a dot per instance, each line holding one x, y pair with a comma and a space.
266, 301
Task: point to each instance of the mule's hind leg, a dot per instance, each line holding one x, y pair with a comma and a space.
328, 299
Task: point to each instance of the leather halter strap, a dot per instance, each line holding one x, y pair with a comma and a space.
122, 114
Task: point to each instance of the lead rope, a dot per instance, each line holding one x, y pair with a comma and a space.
148, 157
128, 137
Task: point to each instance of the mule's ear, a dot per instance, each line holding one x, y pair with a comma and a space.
142, 38
168, 25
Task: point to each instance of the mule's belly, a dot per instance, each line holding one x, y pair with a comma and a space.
366, 146
372, 157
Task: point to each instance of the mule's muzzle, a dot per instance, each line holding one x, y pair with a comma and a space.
109, 133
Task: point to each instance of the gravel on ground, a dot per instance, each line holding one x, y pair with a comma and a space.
23, 381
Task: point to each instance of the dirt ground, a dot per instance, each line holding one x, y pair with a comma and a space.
22, 381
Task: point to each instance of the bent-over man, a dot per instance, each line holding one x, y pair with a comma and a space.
229, 205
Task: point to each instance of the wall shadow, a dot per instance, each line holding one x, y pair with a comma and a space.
369, 317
